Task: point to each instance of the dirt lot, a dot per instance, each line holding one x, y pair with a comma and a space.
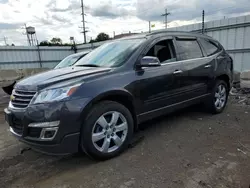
190, 149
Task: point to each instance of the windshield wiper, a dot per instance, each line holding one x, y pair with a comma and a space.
88, 65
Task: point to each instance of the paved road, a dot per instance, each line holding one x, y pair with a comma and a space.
190, 149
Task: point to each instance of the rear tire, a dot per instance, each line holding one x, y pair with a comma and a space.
107, 130
216, 103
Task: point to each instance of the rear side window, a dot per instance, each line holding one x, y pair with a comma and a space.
209, 47
188, 49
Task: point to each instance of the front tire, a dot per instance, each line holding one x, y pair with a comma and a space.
107, 130
218, 99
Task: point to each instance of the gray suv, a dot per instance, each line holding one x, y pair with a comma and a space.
96, 105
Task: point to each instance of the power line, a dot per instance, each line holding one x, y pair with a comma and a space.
208, 14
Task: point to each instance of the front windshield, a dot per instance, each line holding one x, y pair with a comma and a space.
68, 61
112, 54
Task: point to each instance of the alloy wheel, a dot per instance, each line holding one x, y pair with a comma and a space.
109, 132
220, 97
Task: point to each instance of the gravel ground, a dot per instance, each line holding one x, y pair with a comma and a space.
190, 148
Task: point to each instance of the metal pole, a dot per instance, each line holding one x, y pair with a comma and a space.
83, 22
38, 50
28, 39
203, 20
5, 41
149, 26
166, 17
39, 55
31, 38
74, 46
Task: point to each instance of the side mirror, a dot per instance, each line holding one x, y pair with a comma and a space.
149, 61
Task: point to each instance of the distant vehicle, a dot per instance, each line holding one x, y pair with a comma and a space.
71, 60
66, 62
96, 105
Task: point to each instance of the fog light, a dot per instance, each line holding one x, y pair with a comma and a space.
48, 133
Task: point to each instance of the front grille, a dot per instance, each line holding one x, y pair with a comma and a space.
21, 99
17, 126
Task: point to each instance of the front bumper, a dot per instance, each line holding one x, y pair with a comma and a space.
66, 139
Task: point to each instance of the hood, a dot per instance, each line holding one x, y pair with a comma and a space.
55, 76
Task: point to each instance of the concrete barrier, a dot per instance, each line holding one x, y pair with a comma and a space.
245, 79
8, 77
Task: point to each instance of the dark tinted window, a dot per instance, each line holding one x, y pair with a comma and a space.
209, 47
188, 49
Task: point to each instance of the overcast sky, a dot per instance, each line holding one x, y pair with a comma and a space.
62, 18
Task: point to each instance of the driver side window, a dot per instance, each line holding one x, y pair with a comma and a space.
164, 51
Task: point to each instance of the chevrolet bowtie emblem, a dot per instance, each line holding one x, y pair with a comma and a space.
12, 98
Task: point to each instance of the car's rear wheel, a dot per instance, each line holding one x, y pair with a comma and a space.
218, 100
107, 130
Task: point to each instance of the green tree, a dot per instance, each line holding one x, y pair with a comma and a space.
44, 43
56, 41
91, 41
102, 37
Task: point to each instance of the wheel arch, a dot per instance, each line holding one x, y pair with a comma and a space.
225, 78
121, 96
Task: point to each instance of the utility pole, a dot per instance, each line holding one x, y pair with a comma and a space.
114, 34
5, 40
203, 20
149, 26
83, 22
166, 17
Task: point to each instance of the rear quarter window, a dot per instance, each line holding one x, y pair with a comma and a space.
210, 47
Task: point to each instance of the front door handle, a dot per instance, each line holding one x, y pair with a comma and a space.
177, 72
207, 66
219, 57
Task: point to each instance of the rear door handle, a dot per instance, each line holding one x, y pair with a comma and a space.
177, 72
207, 66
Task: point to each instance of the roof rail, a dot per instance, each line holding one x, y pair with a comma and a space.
194, 32
166, 31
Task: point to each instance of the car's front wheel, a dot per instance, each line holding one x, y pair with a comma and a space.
107, 130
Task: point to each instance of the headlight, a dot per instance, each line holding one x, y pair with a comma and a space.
56, 94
